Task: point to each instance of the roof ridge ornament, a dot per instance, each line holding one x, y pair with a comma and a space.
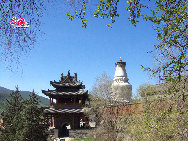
61, 76
75, 76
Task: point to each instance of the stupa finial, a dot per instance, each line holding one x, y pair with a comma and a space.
120, 59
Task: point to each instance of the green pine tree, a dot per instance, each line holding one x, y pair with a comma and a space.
23, 120
12, 119
35, 125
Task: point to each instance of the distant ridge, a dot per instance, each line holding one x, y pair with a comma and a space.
5, 94
5, 90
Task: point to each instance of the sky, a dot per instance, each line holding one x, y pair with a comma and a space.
88, 52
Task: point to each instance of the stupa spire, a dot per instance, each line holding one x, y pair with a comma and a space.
120, 59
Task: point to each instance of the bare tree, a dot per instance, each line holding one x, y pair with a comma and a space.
102, 86
101, 106
16, 42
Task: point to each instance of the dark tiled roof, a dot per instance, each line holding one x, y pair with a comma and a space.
59, 84
67, 82
51, 110
54, 92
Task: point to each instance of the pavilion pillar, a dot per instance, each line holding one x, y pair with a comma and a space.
55, 121
50, 101
50, 121
82, 101
47, 119
73, 121
85, 120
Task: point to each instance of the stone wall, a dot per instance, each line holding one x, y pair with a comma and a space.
80, 133
124, 110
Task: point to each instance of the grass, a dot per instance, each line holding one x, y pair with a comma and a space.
83, 139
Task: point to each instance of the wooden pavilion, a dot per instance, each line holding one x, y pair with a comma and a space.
66, 105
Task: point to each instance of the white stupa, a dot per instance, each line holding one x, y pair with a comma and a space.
121, 88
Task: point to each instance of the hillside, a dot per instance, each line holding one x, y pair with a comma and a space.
5, 94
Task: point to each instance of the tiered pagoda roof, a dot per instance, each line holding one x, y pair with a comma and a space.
67, 86
68, 82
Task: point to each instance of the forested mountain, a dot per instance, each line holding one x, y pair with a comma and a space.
5, 94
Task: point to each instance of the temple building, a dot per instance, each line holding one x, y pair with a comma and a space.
66, 105
121, 88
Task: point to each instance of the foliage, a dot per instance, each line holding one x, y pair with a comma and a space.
164, 118
23, 120
146, 90
17, 41
164, 124
3, 98
80, 14
83, 139
170, 23
105, 9
35, 125
12, 120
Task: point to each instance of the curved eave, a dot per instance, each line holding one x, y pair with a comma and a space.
67, 85
52, 93
63, 110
